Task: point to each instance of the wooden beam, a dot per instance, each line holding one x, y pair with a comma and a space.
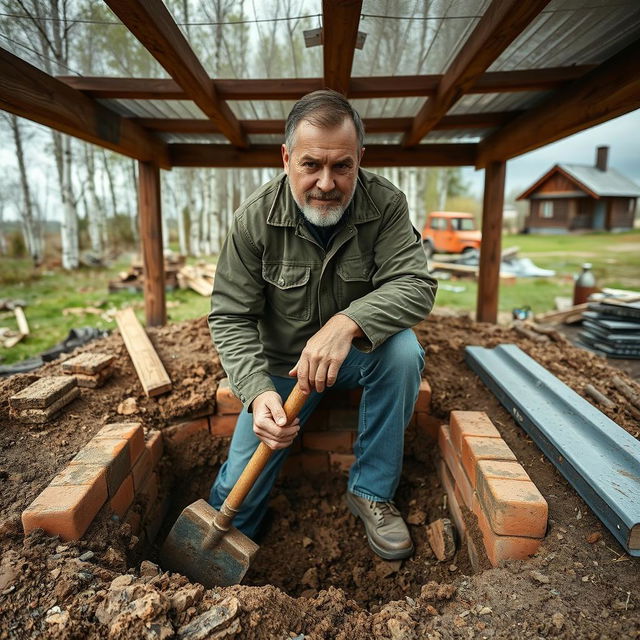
382, 155
152, 24
151, 237
501, 23
295, 88
609, 91
372, 125
340, 20
32, 94
151, 372
490, 247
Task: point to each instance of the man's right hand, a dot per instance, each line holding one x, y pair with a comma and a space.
270, 421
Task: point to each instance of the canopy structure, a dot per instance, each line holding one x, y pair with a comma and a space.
492, 79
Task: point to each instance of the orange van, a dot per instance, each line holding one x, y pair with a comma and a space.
450, 232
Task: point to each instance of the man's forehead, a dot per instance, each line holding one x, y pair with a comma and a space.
343, 135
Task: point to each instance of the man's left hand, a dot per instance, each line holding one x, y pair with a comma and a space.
324, 354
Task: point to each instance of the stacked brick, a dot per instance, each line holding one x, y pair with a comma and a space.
115, 467
90, 370
44, 399
480, 472
326, 444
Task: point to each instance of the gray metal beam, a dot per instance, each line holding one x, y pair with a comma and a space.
598, 458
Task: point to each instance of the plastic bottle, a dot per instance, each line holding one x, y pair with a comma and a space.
585, 285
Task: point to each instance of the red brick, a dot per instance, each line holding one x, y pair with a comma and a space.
79, 475
502, 548
226, 402
428, 425
113, 455
452, 501
308, 462
223, 426
149, 493
154, 445
142, 469
470, 423
317, 421
338, 441
178, 433
123, 498
423, 403
513, 507
475, 448
343, 419
65, 510
131, 431
453, 462
341, 461
500, 469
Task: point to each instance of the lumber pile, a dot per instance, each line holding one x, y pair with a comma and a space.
133, 279
199, 278
9, 338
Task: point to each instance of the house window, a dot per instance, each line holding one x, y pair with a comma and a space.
546, 209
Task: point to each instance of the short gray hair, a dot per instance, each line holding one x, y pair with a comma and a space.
326, 109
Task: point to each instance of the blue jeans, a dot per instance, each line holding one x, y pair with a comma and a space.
390, 378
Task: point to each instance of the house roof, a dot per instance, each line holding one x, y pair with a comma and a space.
597, 183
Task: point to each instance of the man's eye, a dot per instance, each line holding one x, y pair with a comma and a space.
308, 163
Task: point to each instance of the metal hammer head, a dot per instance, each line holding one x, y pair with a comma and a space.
183, 550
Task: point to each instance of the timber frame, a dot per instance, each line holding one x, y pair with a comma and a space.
576, 97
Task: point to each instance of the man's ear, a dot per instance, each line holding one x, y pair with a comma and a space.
285, 158
361, 154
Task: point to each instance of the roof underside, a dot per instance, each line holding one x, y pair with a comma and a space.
443, 82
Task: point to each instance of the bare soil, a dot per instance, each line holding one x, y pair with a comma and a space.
314, 576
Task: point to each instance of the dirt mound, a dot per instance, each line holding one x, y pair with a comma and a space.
314, 576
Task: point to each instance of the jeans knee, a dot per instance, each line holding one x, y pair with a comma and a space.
403, 353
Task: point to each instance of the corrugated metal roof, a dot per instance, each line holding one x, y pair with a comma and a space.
489, 102
602, 183
155, 108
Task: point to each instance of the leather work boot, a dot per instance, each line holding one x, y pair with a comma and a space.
386, 530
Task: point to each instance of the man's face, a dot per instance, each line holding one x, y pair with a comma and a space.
323, 169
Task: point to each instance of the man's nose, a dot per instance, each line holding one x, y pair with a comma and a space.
325, 181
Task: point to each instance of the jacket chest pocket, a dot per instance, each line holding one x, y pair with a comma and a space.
354, 279
288, 291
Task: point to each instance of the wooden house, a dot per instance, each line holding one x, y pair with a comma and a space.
577, 197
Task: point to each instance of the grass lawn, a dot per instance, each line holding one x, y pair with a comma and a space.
615, 257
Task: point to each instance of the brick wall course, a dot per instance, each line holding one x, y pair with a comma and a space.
226, 402
470, 423
423, 403
130, 431
180, 432
475, 448
222, 426
113, 455
123, 498
142, 469
154, 445
452, 460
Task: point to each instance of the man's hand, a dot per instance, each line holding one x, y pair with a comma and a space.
270, 421
324, 354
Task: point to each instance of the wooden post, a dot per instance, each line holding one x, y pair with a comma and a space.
151, 237
490, 249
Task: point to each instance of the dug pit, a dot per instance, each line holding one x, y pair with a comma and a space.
314, 577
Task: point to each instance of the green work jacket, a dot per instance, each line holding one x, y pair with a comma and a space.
275, 285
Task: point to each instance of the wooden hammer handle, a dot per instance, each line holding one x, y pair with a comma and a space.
258, 461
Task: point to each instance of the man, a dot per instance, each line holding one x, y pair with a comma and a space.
319, 280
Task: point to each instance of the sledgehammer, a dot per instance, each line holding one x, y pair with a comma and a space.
202, 544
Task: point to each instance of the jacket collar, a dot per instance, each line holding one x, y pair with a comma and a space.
284, 211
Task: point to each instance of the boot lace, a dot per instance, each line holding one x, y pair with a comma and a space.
382, 510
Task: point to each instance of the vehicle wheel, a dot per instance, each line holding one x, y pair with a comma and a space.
428, 248
467, 250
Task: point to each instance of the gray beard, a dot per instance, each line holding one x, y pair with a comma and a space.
324, 217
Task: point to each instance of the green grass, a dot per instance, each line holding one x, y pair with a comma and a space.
48, 293
615, 259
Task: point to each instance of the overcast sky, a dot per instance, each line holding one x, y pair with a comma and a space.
621, 135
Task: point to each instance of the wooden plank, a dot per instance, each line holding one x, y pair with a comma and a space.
611, 90
424, 155
340, 20
21, 319
151, 372
501, 23
32, 94
151, 237
152, 24
490, 248
295, 88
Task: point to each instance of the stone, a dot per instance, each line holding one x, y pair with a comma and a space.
86, 556
128, 407
310, 578
219, 621
558, 620
539, 577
